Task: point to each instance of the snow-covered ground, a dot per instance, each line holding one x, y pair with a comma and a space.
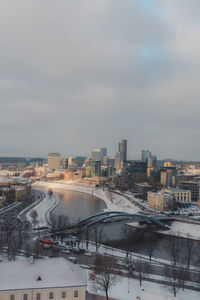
184, 229
181, 229
43, 209
129, 289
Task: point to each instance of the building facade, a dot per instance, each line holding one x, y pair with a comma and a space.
54, 161
193, 186
162, 201
168, 176
182, 196
118, 161
123, 149
98, 154
141, 189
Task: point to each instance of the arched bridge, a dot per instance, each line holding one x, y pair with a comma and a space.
110, 217
114, 216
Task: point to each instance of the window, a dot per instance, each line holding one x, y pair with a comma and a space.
51, 295
12, 297
75, 293
38, 296
25, 297
63, 294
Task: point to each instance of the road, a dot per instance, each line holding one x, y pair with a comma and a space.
124, 265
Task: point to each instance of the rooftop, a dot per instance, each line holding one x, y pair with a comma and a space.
177, 190
53, 272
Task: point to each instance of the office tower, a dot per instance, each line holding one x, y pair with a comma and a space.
54, 161
118, 161
123, 149
98, 154
95, 168
145, 154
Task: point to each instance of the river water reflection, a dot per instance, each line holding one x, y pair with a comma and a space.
77, 206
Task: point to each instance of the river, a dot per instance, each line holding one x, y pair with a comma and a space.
77, 206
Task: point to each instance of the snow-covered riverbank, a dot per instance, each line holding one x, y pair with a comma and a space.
43, 210
112, 200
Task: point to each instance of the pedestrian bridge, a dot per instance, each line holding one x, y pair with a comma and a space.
117, 216
111, 217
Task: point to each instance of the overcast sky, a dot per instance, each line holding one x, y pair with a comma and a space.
78, 74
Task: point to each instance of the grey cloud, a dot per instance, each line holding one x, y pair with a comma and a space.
79, 74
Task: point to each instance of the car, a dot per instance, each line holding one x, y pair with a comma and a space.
69, 248
78, 250
87, 253
46, 246
65, 251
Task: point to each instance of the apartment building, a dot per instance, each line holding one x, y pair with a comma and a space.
42, 279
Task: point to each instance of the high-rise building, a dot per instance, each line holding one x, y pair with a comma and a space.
148, 158
123, 149
54, 161
145, 154
118, 161
98, 154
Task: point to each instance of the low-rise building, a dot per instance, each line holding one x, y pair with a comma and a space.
93, 181
182, 196
141, 189
193, 186
55, 175
42, 279
162, 200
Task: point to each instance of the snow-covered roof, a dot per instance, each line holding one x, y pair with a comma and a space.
53, 272
152, 296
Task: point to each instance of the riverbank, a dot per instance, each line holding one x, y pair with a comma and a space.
43, 210
113, 201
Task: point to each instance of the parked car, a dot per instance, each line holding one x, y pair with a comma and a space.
65, 251
78, 250
87, 253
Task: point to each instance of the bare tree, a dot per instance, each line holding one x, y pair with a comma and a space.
173, 278
98, 234
174, 248
139, 270
105, 274
58, 223
126, 237
150, 244
189, 250
36, 248
28, 250
183, 276
86, 235
34, 215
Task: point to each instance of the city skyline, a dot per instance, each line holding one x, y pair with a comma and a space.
78, 75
